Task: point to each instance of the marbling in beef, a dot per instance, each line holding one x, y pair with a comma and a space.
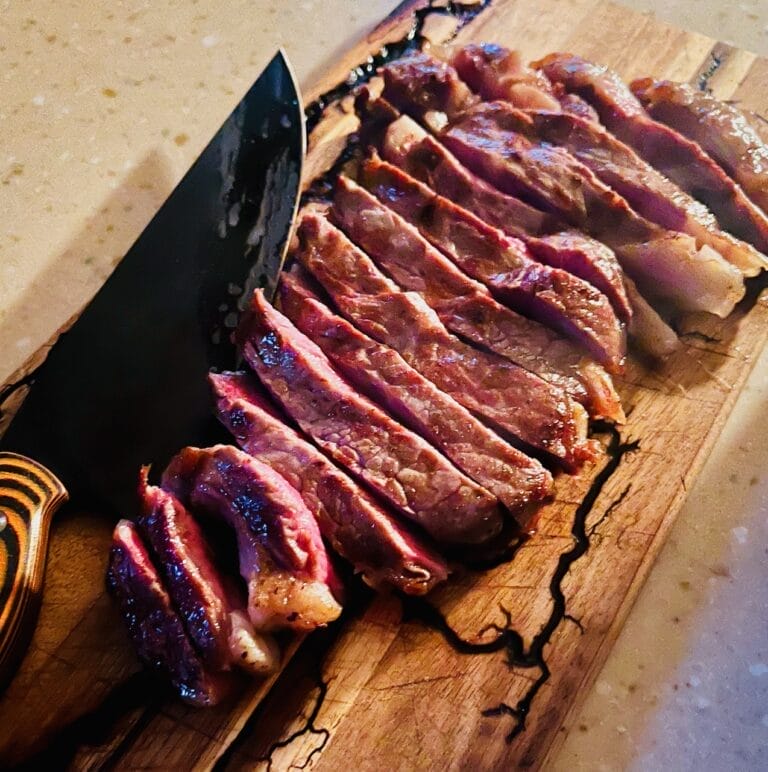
400, 465
427, 88
468, 309
380, 547
283, 561
720, 128
665, 264
649, 192
490, 139
496, 72
488, 70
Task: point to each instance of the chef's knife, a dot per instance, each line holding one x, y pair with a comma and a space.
126, 385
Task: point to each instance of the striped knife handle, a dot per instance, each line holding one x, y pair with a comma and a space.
29, 495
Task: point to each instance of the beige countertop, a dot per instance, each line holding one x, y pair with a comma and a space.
106, 103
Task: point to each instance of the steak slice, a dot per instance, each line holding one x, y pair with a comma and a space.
379, 547
552, 296
477, 317
720, 128
426, 88
509, 398
495, 72
409, 147
648, 191
392, 460
467, 309
282, 558
489, 69
678, 158
487, 137
154, 626
519, 482
214, 616
665, 264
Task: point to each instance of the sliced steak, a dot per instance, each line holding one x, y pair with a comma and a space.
477, 317
665, 264
392, 460
154, 626
648, 191
720, 128
489, 138
552, 296
214, 615
409, 147
519, 482
379, 547
283, 561
587, 258
504, 395
675, 156
488, 70
495, 72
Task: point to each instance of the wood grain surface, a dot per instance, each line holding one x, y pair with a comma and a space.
489, 670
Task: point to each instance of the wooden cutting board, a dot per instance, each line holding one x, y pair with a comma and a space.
488, 672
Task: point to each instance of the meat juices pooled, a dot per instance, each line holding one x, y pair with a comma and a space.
283, 561
154, 626
213, 613
398, 464
518, 481
378, 545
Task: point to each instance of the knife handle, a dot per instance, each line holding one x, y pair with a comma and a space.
29, 495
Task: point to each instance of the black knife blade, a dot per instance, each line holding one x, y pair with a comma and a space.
126, 385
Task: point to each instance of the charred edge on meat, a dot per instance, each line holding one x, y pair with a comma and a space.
508, 639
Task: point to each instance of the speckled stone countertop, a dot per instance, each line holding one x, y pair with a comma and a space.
106, 103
